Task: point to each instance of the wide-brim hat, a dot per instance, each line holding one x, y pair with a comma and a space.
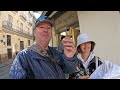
83, 38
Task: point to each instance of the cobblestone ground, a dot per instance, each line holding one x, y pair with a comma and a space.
4, 69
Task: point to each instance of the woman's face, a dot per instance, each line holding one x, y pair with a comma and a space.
85, 47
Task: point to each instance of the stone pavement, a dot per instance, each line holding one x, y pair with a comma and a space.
10, 61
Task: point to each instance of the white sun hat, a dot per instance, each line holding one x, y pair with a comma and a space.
83, 38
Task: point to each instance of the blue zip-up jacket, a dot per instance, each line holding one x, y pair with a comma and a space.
30, 64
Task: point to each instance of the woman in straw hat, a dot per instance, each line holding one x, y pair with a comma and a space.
88, 62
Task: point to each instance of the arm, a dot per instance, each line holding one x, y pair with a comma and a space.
68, 60
69, 56
69, 64
17, 70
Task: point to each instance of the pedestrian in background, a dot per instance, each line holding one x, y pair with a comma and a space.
88, 62
40, 61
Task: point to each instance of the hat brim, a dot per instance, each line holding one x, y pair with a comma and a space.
92, 42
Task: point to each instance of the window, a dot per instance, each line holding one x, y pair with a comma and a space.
21, 45
17, 25
28, 42
28, 30
22, 15
21, 27
8, 40
10, 20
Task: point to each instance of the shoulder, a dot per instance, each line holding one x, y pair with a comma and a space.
23, 55
24, 52
28, 52
22, 58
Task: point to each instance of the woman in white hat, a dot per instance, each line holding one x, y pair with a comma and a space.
88, 62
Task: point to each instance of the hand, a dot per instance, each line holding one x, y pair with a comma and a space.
69, 47
85, 77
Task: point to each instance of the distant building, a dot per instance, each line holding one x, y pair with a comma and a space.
16, 33
34, 21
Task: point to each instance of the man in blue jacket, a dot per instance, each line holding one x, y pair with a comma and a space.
40, 61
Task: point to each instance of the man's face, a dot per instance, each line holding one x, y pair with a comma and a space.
43, 32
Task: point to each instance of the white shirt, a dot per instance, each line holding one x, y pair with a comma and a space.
86, 63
